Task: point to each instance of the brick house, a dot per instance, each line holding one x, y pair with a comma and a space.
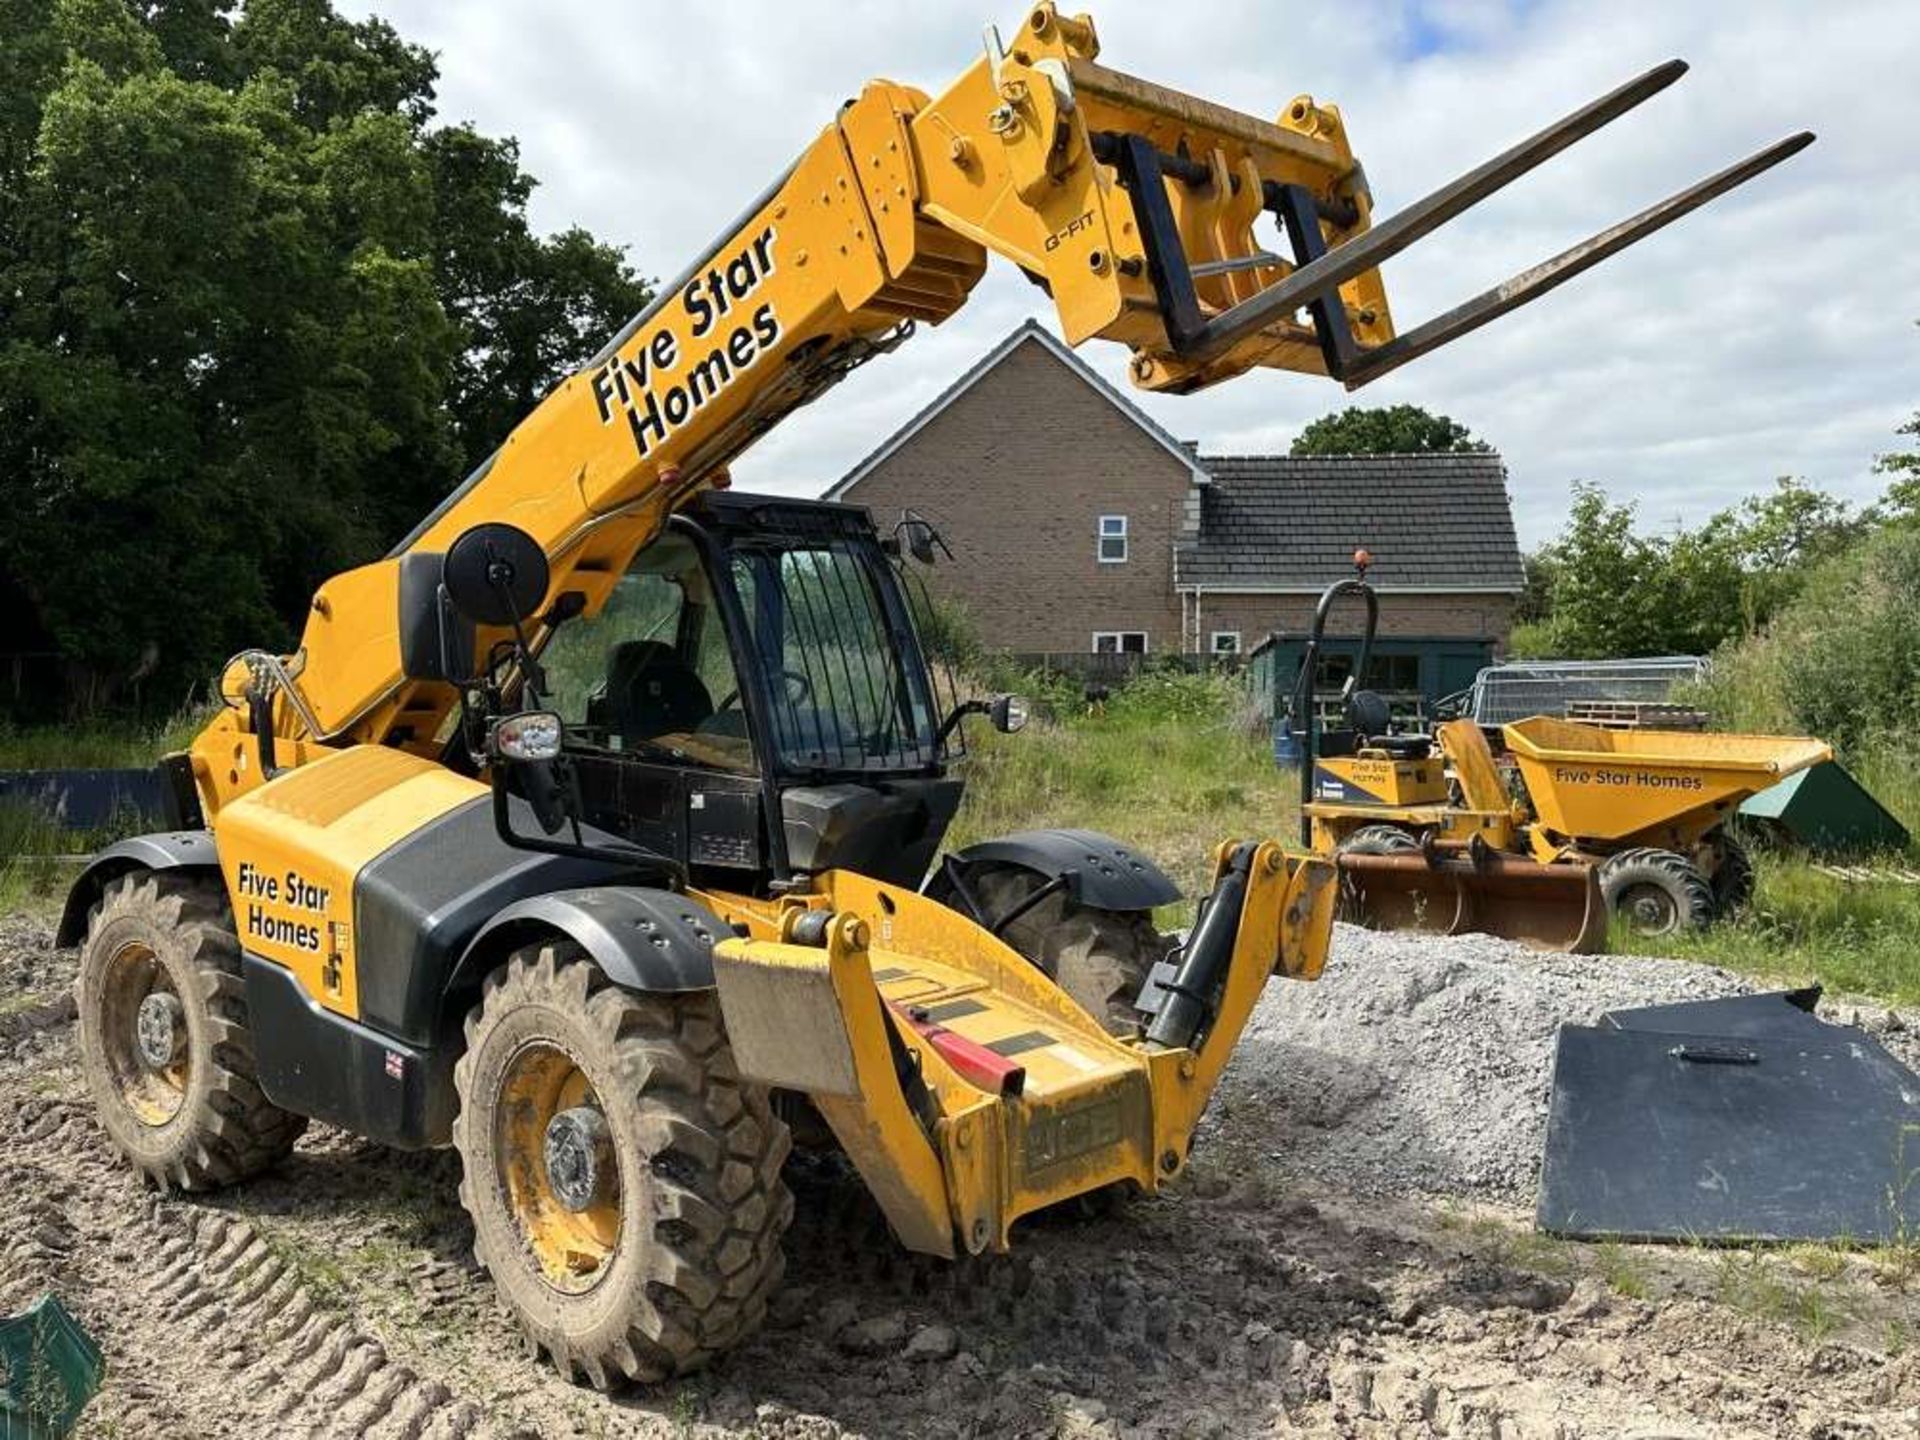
1079, 525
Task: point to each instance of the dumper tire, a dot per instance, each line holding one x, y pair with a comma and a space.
198, 1120
1733, 878
665, 1258
1378, 840
1100, 958
1368, 840
1656, 892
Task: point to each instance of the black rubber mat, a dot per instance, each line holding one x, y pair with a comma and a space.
1778, 1012
1661, 1136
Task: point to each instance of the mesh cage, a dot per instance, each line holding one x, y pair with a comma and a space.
1502, 694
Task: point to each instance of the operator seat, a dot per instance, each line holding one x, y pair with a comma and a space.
1370, 718
651, 691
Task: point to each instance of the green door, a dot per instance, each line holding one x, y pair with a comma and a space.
1457, 664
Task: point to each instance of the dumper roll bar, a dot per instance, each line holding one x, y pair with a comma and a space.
1306, 718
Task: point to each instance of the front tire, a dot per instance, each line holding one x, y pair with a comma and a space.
1378, 840
623, 1181
165, 1041
1368, 840
1656, 892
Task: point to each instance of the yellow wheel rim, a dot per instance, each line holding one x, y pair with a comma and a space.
135, 990
572, 1245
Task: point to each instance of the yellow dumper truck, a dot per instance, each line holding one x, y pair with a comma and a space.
1578, 823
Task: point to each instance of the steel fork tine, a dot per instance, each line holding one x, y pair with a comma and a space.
1426, 215
1531, 284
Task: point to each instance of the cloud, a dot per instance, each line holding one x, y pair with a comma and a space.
1772, 333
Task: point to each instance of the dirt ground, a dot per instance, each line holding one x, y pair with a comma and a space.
1290, 1285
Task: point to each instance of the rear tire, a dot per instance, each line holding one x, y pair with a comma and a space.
1100, 958
1656, 892
1733, 878
664, 1254
165, 1041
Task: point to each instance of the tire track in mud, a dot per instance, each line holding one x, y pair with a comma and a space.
1230, 1306
207, 1329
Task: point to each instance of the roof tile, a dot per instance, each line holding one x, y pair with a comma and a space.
1434, 521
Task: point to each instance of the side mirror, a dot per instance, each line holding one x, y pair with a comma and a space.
1006, 713
916, 535
919, 537
495, 574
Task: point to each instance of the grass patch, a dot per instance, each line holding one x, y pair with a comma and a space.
119, 745
30, 877
1169, 772
1746, 1280
1856, 938
1751, 1281
1817, 1262
1897, 1265
1621, 1269
1542, 1254
315, 1265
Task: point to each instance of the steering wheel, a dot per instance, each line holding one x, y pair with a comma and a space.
799, 688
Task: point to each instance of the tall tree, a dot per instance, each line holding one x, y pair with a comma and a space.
260, 314
1386, 430
1611, 591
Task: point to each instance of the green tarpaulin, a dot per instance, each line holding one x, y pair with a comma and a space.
1825, 808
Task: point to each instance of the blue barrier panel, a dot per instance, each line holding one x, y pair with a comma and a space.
87, 799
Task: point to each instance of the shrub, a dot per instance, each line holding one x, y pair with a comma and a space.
1842, 661
1157, 695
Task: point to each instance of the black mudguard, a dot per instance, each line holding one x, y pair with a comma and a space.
167, 850
1098, 870
644, 939
316, 1063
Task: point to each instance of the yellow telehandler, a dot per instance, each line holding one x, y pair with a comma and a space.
595, 831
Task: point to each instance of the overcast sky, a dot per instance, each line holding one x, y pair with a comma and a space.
1772, 333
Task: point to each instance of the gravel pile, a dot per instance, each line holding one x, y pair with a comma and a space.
1421, 1065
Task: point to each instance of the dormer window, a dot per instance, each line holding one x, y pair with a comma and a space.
1113, 540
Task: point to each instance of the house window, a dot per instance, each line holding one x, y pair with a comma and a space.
1113, 539
1226, 642
1119, 642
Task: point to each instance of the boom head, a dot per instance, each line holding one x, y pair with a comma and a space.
1148, 201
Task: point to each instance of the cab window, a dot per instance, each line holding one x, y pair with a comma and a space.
651, 673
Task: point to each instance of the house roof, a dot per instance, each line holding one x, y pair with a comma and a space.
1272, 523
1030, 331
